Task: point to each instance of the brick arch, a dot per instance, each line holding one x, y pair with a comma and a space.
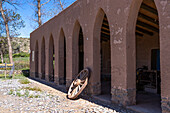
43, 57
62, 58
51, 58
95, 79
131, 49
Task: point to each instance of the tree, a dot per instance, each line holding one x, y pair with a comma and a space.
41, 4
11, 21
3, 48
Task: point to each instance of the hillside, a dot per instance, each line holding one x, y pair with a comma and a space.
20, 45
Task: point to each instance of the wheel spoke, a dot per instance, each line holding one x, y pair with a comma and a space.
79, 87
78, 84
76, 90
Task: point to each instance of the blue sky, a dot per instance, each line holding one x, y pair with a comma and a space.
26, 12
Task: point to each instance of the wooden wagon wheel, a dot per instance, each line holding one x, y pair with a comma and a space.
78, 85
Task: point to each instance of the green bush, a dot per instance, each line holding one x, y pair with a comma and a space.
22, 54
21, 65
6, 56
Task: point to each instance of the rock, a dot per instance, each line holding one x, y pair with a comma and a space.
30, 101
40, 103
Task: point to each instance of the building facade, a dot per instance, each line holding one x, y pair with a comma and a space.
111, 37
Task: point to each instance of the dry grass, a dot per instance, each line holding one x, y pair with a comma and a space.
24, 81
32, 89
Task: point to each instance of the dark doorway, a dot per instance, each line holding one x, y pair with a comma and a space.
81, 50
51, 60
147, 58
64, 61
105, 52
36, 60
43, 59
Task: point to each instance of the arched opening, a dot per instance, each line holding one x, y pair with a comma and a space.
62, 59
78, 49
81, 50
148, 58
51, 60
43, 59
105, 53
102, 46
36, 60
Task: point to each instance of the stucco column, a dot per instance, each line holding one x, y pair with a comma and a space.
56, 49
121, 93
164, 23
47, 61
69, 62
91, 60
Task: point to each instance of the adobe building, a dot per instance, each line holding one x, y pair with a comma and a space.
125, 43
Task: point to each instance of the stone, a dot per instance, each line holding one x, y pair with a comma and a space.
40, 103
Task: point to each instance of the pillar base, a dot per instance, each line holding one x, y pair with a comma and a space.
43, 76
61, 80
40, 75
51, 79
93, 89
68, 83
123, 97
165, 105
32, 74
47, 78
56, 80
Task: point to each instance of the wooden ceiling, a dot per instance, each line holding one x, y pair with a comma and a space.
147, 21
105, 31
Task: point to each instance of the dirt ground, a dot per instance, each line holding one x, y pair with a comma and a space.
15, 99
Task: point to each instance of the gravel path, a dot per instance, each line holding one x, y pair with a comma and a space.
36, 97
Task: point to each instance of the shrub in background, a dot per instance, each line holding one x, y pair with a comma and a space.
22, 54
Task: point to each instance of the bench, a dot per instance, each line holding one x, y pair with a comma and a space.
7, 67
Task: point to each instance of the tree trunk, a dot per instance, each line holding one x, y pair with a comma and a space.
39, 12
7, 32
2, 58
61, 5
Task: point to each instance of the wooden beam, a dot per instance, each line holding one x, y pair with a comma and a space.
148, 8
148, 18
104, 38
107, 31
147, 26
104, 28
139, 34
144, 31
106, 23
105, 35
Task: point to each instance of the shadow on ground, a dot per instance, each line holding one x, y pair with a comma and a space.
89, 98
26, 72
